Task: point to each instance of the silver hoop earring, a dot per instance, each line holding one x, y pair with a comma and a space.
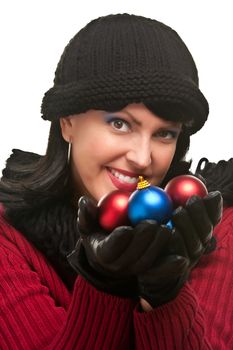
69, 152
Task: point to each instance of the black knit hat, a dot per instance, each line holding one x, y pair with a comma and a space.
121, 59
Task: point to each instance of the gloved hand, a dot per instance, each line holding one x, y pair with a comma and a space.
111, 261
192, 233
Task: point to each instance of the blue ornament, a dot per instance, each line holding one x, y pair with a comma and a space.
149, 202
170, 225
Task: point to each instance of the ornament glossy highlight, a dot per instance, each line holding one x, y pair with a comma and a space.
149, 202
113, 210
182, 187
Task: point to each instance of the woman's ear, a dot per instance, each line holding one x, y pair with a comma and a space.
66, 128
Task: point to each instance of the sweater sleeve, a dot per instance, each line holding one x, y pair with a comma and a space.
178, 324
201, 316
37, 311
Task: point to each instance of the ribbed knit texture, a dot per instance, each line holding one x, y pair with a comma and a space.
120, 59
38, 312
178, 325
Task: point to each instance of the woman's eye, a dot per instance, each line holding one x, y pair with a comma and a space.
119, 124
167, 134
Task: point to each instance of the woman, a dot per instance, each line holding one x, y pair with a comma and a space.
124, 103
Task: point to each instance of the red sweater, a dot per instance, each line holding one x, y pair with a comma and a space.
38, 312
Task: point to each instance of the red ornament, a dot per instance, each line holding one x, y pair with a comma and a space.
182, 187
113, 210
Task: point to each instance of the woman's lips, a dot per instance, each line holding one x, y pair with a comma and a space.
121, 185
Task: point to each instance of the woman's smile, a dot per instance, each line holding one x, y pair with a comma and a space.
122, 181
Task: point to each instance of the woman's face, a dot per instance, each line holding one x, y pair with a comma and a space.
110, 150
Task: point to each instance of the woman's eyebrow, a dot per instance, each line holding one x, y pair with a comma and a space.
170, 124
133, 118
167, 125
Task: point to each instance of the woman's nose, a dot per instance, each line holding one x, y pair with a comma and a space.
139, 154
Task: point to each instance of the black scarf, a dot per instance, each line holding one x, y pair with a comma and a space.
218, 177
53, 231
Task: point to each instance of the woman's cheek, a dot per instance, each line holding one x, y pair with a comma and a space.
164, 160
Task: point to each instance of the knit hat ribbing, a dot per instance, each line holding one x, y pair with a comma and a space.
121, 59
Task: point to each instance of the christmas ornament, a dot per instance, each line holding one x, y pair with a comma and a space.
182, 187
170, 225
113, 210
149, 202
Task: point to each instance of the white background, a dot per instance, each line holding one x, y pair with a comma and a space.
33, 35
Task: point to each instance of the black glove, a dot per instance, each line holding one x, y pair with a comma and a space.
196, 221
192, 234
111, 261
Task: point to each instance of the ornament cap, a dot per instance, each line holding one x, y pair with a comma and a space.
142, 183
